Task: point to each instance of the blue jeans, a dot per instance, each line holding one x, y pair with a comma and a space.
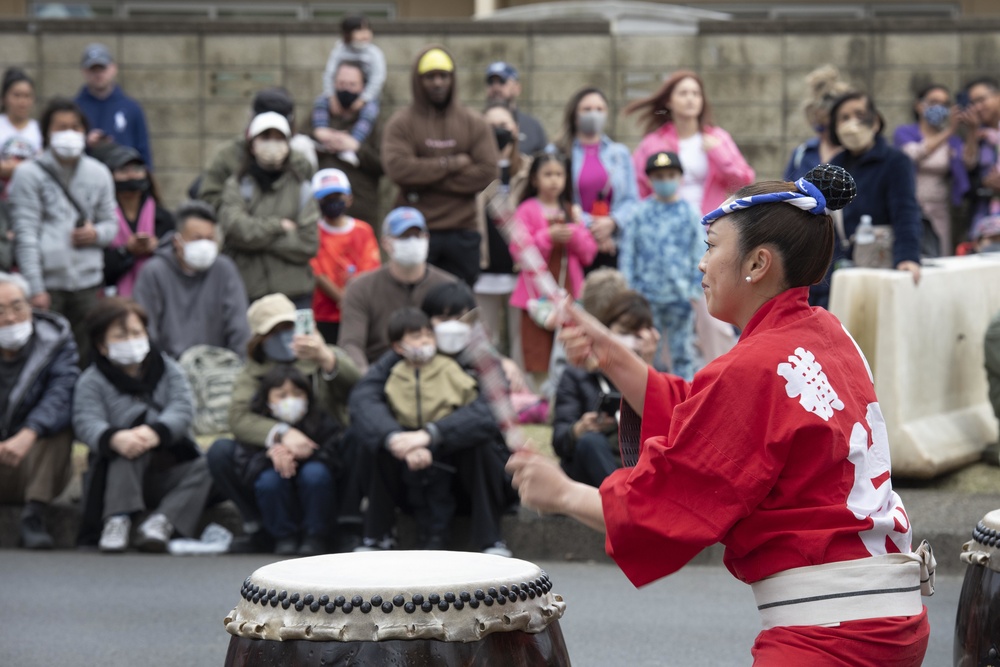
592, 460
302, 504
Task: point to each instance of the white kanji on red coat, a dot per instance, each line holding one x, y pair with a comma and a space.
804, 377
871, 495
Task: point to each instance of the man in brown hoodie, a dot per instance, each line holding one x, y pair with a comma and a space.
441, 154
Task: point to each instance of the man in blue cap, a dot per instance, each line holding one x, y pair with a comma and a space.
371, 298
503, 85
113, 116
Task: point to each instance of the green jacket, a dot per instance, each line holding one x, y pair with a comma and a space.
269, 258
227, 161
252, 429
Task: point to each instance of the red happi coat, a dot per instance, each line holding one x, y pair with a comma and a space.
778, 450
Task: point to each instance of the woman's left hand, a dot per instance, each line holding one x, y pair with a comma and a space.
912, 267
539, 481
149, 437
602, 227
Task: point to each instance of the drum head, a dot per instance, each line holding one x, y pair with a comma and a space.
379, 596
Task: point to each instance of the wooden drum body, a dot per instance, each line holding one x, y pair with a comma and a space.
977, 625
397, 608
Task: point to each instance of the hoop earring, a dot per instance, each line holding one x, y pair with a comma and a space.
749, 279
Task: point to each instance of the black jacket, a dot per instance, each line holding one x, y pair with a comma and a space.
577, 393
472, 425
42, 397
323, 429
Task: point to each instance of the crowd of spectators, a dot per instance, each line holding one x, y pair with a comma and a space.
347, 392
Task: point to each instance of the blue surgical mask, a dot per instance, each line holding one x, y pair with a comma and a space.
937, 115
278, 347
665, 189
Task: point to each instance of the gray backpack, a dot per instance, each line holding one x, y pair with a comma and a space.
210, 372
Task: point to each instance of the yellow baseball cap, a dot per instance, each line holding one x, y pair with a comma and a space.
435, 60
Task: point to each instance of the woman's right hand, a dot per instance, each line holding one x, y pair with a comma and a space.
588, 343
298, 443
130, 443
560, 232
283, 461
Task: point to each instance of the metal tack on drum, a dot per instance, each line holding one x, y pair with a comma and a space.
415, 608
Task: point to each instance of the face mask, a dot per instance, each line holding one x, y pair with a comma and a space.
855, 136
411, 251
346, 98
128, 352
68, 144
628, 340
200, 255
132, 185
665, 189
332, 208
452, 336
503, 137
278, 347
15, 336
270, 153
591, 122
289, 409
420, 354
937, 115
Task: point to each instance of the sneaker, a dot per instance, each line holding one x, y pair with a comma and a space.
258, 542
33, 533
286, 546
114, 537
312, 546
154, 533
387, 543
499, 549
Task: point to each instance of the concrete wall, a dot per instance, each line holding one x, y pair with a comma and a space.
195, 80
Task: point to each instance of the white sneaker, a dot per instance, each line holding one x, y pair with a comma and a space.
114, 537
154, 533
499, 549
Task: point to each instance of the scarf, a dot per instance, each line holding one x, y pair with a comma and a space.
143, 386
145, 224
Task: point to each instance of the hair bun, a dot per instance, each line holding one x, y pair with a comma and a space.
835, 183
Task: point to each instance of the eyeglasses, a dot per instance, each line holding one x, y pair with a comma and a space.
16, 307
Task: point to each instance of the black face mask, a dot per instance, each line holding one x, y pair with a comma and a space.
332, 208
346, 98
132, 185
503, 137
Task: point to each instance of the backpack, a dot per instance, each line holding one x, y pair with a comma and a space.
210, 372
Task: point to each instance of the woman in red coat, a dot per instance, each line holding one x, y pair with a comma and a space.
777, 449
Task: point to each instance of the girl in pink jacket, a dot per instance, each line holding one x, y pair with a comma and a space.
564, 242
678, 119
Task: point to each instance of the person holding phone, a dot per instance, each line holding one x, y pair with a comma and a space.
585, 428
142, 221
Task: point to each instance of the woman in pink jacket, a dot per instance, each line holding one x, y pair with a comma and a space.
564, 243
677, 118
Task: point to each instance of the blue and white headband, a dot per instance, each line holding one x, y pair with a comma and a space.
807, 197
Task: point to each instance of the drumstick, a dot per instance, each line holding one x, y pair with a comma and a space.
479, 352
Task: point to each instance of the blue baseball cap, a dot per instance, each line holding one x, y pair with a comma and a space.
403, 218
95, 55
501, 69
328, 181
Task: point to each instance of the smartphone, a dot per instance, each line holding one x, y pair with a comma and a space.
962, 99
608, 403
304, 322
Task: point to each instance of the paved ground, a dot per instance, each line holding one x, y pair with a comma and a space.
67, 608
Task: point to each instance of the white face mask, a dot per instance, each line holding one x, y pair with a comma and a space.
591, 122
15, 336
68, 144
452, 336
289, 409
855, 136
200, 255
411, 251
128, 352
420, 354
270, 153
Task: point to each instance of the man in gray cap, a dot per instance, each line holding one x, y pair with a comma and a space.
503, 85
113, 116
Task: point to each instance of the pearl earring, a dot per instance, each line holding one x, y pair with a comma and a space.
749, 279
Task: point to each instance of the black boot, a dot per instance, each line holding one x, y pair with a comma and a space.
33, 532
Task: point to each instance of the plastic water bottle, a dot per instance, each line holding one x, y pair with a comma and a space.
864, 235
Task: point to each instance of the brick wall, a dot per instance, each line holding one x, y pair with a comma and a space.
195, 80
